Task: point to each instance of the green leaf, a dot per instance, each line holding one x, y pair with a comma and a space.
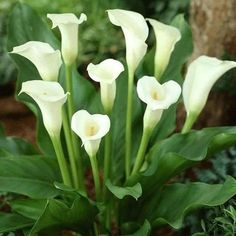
136, 229
31, 27
173, 155
11, 222
30, 208
170, 157
144, 230
57, 216
120, 192
11, 146
31, 176
176, 200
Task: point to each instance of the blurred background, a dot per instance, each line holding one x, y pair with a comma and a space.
213, 26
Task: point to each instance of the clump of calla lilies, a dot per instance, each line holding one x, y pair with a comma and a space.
58, 107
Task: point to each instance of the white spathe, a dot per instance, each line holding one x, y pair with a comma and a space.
166, 38
50, 98
91, 129
68, 24
43, 56
158, 97
106, 73
135, 30
201, 76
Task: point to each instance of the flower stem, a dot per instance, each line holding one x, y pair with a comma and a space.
73, 138
142, 149
128, 129
72, 157
69, 87
107, 159
61, 160
94, 165
190, 120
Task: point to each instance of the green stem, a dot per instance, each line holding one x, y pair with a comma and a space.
142, 149
72, 157
190, 120
76, 146
94, 165
128, 129
107, 160
70, 107
69, 87
61, 160
95, 229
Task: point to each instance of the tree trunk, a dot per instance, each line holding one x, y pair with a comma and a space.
213, 25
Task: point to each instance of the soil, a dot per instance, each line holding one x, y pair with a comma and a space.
16, 118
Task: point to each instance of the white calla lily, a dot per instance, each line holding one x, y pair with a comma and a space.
166, 38
106, 73
43, 56
91, 129
68, 24
135, 30
157, 97
201, 76
50, 97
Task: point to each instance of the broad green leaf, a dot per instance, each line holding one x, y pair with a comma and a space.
144, 230
11, 222
30, 176
173, 155
30, 208
136, 229
120, 192
176, 200
57, 216
31, 27
11, 146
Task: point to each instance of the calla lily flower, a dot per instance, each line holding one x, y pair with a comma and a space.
68, 25
201, 75
106, 73
166, 38
135, 30
50, 97
157, 97
43, 56
91, 129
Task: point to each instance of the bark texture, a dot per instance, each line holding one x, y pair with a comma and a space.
213, 25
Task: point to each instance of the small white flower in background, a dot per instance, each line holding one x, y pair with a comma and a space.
135, 30
106, 73
43, 56
166, 38
91, 129
158, 97
68, 24
50, 97
201, 75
